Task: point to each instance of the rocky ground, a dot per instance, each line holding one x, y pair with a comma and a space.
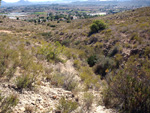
45, 97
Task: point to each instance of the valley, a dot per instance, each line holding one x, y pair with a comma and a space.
52, 62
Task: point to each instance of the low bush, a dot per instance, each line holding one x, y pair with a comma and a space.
65, 80
25, 81
69, 82
68, 21
147, 51
67, 106
113, 52
92, 60
87, 76
52, 52
66, 42
46, 35
77, 64
52, 25
118, 59
88, 100
29, 109
8, 61
104, 65
8, 103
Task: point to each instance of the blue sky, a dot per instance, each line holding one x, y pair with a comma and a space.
28, 0
36, 0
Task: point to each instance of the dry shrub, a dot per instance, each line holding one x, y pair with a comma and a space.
129, 89
67, 106
88, 100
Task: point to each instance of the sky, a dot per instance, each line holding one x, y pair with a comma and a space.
28, 0
34, 0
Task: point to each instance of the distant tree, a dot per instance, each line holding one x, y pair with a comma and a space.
68, 21
35, 21
17, 18
57, 17
39, 21
92, 60
0, 2
44, 20
94, 28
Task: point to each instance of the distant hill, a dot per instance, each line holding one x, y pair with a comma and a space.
23, 2
81, 2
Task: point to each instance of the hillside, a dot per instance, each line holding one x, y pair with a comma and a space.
68, 69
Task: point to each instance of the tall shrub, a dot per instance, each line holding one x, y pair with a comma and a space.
98, 25
129, 89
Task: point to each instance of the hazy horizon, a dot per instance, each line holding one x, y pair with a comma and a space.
13, 1
57, 0
40, 0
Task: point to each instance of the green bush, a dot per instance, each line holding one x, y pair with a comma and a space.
77, 64
8, 103
118, 59
147, 51
98, 25
46, 35
68, 21
92, 60
25, 81
66, 42
67, 106
103, 65
52, 52
113, 52
8, 61
94, 28
52, 25
87, 76
129, 90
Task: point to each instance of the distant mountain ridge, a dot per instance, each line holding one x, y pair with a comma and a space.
26, 2
23, 1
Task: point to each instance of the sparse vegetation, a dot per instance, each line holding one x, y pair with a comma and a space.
88, 100
67, 106
8, 57
65, 80
47, 35
46, 58
25, 81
